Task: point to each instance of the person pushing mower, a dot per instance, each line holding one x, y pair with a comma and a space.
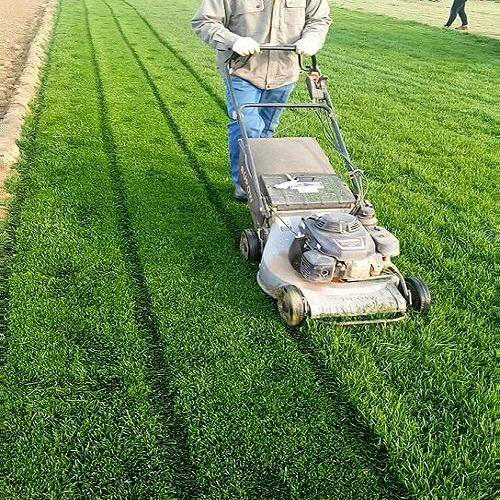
241, 26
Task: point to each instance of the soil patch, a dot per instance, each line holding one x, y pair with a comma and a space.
19, 20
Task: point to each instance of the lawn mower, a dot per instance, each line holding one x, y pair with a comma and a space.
321, 252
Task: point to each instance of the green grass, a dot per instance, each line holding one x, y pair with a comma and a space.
141, 360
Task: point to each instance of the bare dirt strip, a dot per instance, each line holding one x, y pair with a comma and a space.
24, 28
19, 20
484, 15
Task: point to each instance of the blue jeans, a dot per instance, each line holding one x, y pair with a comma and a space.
259, 122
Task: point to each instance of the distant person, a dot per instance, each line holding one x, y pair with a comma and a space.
458, 7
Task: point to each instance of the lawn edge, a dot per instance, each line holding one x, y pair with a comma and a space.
29, 80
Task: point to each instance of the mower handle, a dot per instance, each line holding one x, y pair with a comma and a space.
283, 48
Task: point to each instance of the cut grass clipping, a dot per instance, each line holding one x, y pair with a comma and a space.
140, 358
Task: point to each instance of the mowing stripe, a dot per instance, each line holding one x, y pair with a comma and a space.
8, 233
163, 396
212, 193
201, 81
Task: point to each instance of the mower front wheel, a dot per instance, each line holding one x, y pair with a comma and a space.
420, 296
292, 305
250, 245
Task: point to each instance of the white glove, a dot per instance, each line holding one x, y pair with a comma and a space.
245, 46
307, 46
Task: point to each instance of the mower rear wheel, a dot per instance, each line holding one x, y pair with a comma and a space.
250, 245
420, 296
292, 305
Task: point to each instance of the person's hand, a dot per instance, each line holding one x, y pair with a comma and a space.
245, 46
307, 46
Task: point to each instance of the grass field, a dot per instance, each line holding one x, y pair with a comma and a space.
139, 357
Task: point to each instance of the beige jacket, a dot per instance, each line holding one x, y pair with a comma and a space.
276, 22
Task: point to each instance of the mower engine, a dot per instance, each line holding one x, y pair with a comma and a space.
338, 247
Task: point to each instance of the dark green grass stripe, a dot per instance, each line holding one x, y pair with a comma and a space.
29, 141
354, 424
212, 193
202, 82
145, 316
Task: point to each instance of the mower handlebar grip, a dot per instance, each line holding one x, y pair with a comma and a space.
284, 48
267, 47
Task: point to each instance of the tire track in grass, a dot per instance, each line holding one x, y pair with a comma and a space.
273, 484
354, 424
8, 233
143, 311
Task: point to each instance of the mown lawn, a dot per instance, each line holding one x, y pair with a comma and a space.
140, 358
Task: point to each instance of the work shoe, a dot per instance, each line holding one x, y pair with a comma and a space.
239, 193
464, 27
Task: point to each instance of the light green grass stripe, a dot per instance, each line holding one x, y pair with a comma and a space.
75, 411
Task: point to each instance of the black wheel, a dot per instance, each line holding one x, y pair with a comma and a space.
292, 305
250, 245
420, 296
